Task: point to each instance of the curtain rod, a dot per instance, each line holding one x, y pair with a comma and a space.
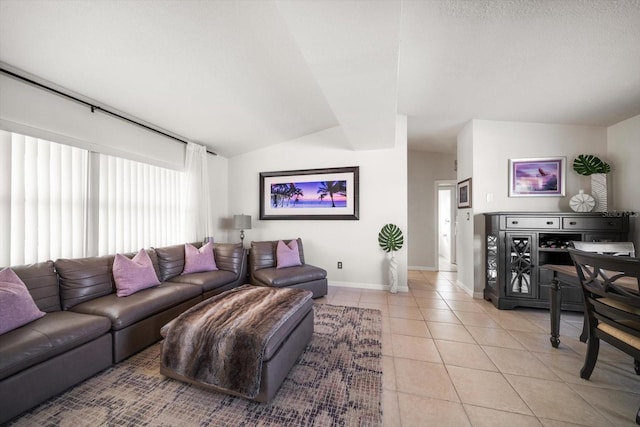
93, 107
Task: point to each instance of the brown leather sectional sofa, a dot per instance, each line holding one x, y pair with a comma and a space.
88, 328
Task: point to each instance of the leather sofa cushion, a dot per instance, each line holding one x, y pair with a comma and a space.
171, 260
49, 336
290, 275
206, 280
42, 282
263, 254
229, 256
276, 340
84, 279
125, 311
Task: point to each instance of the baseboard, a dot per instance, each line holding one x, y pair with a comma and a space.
374, 286
468, 291
420, 268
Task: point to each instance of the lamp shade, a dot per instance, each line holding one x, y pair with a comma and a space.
242, 222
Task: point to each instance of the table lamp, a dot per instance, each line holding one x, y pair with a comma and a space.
242, 222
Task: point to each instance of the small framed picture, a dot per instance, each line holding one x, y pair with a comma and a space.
538, 177
464, 193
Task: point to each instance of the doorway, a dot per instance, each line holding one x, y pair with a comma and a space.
446, 246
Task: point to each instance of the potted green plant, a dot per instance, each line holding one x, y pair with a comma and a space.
593, 166
391, 240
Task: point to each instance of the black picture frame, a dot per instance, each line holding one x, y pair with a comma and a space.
311, 194
464, 194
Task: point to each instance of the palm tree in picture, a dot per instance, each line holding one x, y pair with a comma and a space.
278, 194
293, 191
331, 188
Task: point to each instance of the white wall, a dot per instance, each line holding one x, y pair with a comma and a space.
73, 123
464, 220
497, 142
32, 111
493, 144
623, 151
424, 168
219, 189
383, 199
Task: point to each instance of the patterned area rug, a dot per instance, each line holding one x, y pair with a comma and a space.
336, 382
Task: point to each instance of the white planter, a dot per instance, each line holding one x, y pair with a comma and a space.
393, 275
599, 191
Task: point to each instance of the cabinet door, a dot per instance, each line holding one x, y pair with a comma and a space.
521, 275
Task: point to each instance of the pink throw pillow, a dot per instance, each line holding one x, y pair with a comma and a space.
17, 307
133, 275
198, 260
287, 255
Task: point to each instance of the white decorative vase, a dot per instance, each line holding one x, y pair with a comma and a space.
599, 191
393, 275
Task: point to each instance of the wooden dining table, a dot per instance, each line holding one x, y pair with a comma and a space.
566, 275
562, 275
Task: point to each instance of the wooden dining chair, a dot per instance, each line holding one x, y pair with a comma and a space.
602, 248
612, 305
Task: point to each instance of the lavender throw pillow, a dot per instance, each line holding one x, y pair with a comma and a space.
287, 255
16, 303
133, 275
198, 260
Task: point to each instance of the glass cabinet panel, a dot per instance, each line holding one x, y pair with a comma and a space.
492, 261
520, 269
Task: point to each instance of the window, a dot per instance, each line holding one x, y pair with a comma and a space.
58, 201
139, 206
43, 193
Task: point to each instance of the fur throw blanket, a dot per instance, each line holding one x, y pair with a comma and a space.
221, 341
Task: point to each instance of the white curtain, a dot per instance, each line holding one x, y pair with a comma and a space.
196, 193
43, 200
139, 206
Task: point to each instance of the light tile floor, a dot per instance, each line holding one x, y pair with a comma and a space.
449, 359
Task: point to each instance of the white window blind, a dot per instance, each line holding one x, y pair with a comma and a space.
43, 200
58, 201
139, 206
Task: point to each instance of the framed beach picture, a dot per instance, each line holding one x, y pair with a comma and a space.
537, 177
464, 194
331, 193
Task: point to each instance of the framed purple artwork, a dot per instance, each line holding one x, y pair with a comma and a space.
537, 177
331, 193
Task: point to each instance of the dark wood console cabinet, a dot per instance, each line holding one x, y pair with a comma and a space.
518, 243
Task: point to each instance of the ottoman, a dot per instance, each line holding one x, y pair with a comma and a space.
242, 342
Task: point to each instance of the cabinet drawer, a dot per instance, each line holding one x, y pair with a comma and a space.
601, 224
525, 222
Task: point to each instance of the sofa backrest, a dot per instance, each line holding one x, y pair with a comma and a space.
229, 256
83, 279
263, 254
42, 281
171, 260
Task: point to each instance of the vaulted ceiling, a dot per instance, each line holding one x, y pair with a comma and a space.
241, 75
